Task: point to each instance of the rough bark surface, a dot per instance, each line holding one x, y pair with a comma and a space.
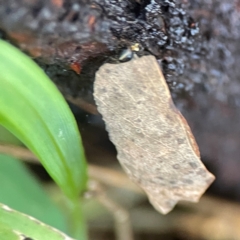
201, 69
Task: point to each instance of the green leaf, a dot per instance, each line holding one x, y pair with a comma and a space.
7, 233
12, 221
21, 191
32, 108
7, 137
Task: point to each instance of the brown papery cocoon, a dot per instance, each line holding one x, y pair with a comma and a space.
155, 145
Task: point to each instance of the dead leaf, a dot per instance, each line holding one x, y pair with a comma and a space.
154, 142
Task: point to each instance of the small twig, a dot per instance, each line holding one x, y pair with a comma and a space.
113, 178
123, 228
88, 107
211, 218
121, 216
104, 175
18, 152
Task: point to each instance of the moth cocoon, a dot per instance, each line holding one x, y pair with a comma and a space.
155, 145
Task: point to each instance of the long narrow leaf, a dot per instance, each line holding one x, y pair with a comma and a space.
21, 191
32, 108
15, 223
7, 233
8, 138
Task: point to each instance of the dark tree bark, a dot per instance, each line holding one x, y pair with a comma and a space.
196, 43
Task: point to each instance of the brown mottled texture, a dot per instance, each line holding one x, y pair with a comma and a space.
155, 145
58, 33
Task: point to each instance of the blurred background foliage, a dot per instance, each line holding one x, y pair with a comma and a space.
204, 80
